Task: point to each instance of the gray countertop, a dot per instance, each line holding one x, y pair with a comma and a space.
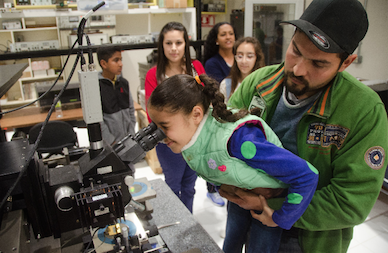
187, 235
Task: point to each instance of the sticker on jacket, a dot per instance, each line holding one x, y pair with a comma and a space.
257, 106
326, 135
375, 157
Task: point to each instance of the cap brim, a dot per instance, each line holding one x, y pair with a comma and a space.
318, 37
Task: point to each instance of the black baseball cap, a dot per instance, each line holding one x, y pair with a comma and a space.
334, 26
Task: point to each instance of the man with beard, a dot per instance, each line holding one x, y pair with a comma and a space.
326, 116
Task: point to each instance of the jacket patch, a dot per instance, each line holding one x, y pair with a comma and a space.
257, 106
212, 164
326, 135
222, 168
375, 157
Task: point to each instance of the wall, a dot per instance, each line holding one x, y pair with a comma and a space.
373, 49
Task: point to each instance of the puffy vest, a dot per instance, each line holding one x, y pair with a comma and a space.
209, 156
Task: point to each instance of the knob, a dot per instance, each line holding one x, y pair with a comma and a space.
63, 198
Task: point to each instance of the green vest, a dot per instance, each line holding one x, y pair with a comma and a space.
209, 156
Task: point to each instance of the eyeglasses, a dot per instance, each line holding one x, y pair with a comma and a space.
248, 57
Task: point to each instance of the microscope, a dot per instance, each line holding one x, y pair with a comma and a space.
91, 191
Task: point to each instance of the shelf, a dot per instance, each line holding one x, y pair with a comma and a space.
213, 13
59, 52
31, 29
38, 78
16, 102
54, 13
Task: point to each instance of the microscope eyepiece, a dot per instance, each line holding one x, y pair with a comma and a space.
149, 142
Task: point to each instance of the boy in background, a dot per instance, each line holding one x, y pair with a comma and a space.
117, 102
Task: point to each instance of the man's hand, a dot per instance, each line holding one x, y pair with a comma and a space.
266, 216
245, 199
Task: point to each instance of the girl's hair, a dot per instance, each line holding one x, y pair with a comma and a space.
180, 93
210, 46
162, 61
235, 72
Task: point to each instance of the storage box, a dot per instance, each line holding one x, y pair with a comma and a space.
173, 3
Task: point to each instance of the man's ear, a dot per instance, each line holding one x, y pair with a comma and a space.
347, 62
197, 114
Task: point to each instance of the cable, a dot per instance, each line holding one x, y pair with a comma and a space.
90, 51
94, 233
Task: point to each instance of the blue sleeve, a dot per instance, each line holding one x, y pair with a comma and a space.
249, 144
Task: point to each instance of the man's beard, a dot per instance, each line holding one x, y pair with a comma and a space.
296, 89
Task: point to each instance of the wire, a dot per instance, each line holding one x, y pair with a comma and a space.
55, 82
90, 51
6, 47
94, 233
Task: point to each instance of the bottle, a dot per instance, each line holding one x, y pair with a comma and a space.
58, 108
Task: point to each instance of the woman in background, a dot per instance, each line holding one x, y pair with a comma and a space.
218, 51
174, 58
248, 57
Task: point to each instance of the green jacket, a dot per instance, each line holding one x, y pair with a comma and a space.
208, 150
344, 135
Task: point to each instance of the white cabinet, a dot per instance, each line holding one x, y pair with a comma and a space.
44, 25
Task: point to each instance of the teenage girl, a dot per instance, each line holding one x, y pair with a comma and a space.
236, 149
248, 57
174, 58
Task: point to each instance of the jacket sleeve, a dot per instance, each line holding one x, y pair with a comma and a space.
354, 183
150, 85
249, 144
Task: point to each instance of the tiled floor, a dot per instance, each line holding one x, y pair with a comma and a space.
369, 237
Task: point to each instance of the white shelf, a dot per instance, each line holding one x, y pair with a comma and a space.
53, 13
38, 78
32, 29
16, 102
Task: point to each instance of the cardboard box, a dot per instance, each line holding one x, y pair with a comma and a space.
173, 3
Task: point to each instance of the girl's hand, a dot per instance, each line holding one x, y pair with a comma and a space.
266, 216
245, 199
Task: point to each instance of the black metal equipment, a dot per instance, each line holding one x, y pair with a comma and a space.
85, 193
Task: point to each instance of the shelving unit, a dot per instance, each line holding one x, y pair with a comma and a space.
215, 3
32, 30
39, 25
